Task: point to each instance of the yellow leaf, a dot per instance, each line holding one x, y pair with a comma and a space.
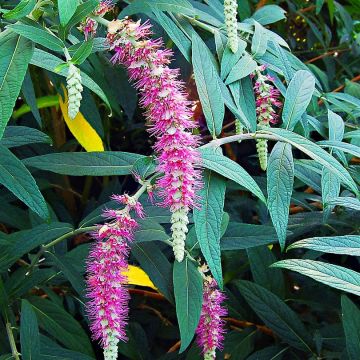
137, 276
83, 132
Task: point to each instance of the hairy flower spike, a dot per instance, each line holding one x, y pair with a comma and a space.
266, 98
106, 284
74, 87
210, 330
169, 114
230, 11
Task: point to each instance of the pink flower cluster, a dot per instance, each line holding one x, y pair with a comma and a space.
89, 26
167, 109
210, 331
266, 98
106, 266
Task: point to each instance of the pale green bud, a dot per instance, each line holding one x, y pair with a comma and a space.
230, 10
74, 87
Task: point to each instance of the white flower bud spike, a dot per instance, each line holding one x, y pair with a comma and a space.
230, 10
74, 87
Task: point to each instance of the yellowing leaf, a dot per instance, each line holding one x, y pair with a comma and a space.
83, 132
137, 276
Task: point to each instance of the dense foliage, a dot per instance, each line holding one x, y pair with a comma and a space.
266, 99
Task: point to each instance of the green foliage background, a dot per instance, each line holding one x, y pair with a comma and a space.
283, 245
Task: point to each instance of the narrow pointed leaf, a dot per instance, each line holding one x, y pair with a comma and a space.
207, 84
17, 178
297, 98
16, 52
347, 244
208, 221
276, 314
315, 152
351, 325
230, 169
188, 299
280, 181
335, 276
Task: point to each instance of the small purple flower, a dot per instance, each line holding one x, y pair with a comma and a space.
210, 330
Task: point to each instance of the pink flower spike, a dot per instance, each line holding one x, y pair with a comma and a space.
210, 330
170, 116
107, 264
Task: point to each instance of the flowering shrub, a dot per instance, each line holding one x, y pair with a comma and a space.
179, 179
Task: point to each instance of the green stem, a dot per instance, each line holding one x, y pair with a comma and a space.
233, 138
199, 24
101, 20
12, 342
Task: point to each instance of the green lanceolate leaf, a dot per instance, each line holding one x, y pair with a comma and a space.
347, 202
229, 59
145, 6
82, 52
61, 325
208, 220
243, 93
67, 9
16, 53
39, 36
269, 14
284, 64
280, 181
156, 265
150, 230
315, 152
29, 332
276, 315
351, 325
245, 66
90, 164
335, 276
71, 273
297, 98
17, 178
222, 165
336, 126
188, 298
347, 244
207, 84
245, 236
259, 41
260, 259
22, 135
20, 10
330, 189
28, 91
175, 34
339, 145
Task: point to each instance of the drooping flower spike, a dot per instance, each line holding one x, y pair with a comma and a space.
169, 115
107, 265
210, 330
267, 97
